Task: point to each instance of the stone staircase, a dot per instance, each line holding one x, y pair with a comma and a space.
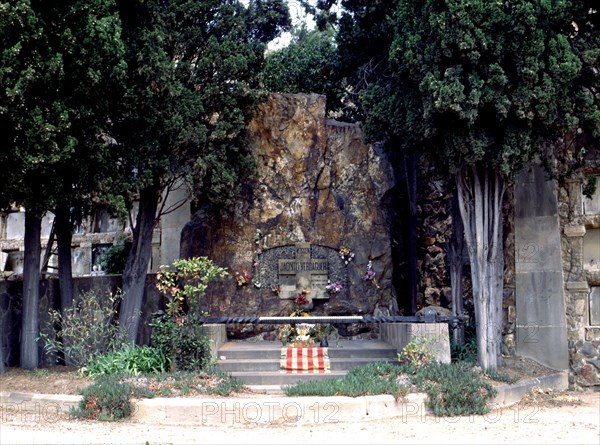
257, 363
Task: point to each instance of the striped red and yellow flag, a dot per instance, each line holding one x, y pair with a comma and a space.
312, 360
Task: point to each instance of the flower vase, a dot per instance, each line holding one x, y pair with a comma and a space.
324, 342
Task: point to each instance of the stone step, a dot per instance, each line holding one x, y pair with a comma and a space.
257, 363
342, 349
272, 378
271, 364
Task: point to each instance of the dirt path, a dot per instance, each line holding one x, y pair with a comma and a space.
572, 418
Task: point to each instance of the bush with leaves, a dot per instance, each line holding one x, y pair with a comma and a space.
179, 333
108, 399
86, 329
467, 352
182, 341
127, 359
417, 352
370, 379
114, 258
454, 389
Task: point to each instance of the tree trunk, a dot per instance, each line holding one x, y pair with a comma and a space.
31, 292
136, 268
2, 337
455, 258
410, 170
64, 236
480, 191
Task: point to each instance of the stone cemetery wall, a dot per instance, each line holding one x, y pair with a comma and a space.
91, 238
318, 191
580, 236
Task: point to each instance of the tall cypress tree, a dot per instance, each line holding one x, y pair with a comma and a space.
58, 60
191, 83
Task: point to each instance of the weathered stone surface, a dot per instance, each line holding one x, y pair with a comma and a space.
541, 326
317, 183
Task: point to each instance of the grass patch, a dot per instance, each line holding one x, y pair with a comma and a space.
106, 399
453, 389
371, 379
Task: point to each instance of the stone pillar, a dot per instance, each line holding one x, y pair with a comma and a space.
541, 331
217, 333
86, 258
172, 223
155, 261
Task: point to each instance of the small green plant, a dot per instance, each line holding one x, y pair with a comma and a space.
182, 341
418, 352
106, 399
466, 352
85, 330
128, 359
589, 186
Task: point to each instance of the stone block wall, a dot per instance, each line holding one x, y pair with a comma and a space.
582, 278
316, 184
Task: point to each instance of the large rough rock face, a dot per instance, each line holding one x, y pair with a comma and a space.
316, 183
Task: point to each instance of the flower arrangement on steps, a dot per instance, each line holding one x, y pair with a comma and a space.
303, 335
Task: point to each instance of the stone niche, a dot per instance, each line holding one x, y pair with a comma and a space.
317, 188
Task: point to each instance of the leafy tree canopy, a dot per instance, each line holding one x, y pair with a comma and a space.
58, 67
309, 64
191, 83
488, 82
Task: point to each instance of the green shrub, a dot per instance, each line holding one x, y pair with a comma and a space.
182, 341
128, 359
466, 352
105, 399
86, 329
417, 353
454, 389
178, 333
114, 258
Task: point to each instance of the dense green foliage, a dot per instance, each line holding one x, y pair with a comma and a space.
182, 341
191, 82
309, 64
482, 88
487, 82
190, 88
126, 359
453, 389
59, 67
178, 332
108, 399
112, 260
371, 379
